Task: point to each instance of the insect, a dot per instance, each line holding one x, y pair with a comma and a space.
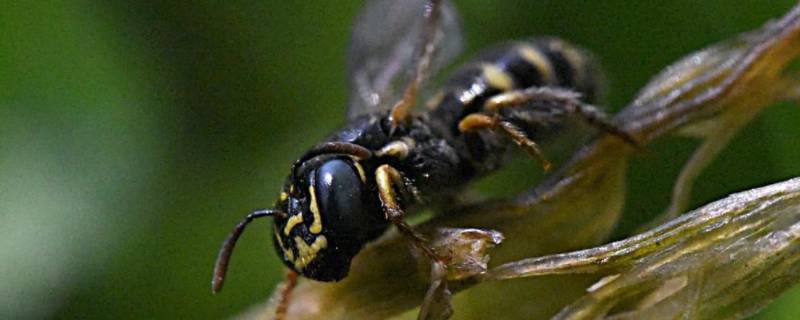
389, 160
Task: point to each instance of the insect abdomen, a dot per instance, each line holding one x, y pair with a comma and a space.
535, 63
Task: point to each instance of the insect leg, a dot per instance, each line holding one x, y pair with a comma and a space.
569, 100
288, 286
387, 179
478, 121
401, 109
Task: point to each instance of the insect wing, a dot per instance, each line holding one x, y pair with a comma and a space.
385, 45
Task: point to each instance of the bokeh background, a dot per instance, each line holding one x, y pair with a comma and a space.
134, 135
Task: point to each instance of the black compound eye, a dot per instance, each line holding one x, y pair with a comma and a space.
339, 192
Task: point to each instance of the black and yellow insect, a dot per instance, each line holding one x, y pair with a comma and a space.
387, 160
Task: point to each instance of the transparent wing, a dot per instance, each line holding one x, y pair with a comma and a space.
387, 40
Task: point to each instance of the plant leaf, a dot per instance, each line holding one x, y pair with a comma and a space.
725, 260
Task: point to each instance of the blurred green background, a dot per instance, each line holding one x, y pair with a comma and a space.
134, 135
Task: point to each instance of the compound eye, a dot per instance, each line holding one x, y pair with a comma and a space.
339, 195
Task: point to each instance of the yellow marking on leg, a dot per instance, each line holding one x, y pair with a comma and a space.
476, 121
386, 177
497, 78
396, 149
293, 221
539, 61
499, 101
316, 225
307, 253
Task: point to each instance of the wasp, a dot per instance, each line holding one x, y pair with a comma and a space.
390, 159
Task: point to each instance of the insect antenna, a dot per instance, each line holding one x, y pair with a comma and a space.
400, 111
221, 266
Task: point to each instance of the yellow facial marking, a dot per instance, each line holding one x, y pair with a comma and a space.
535, 57
316, 225
293, 221
497, 78
307, 253
275, 229
284, 196
286, 251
